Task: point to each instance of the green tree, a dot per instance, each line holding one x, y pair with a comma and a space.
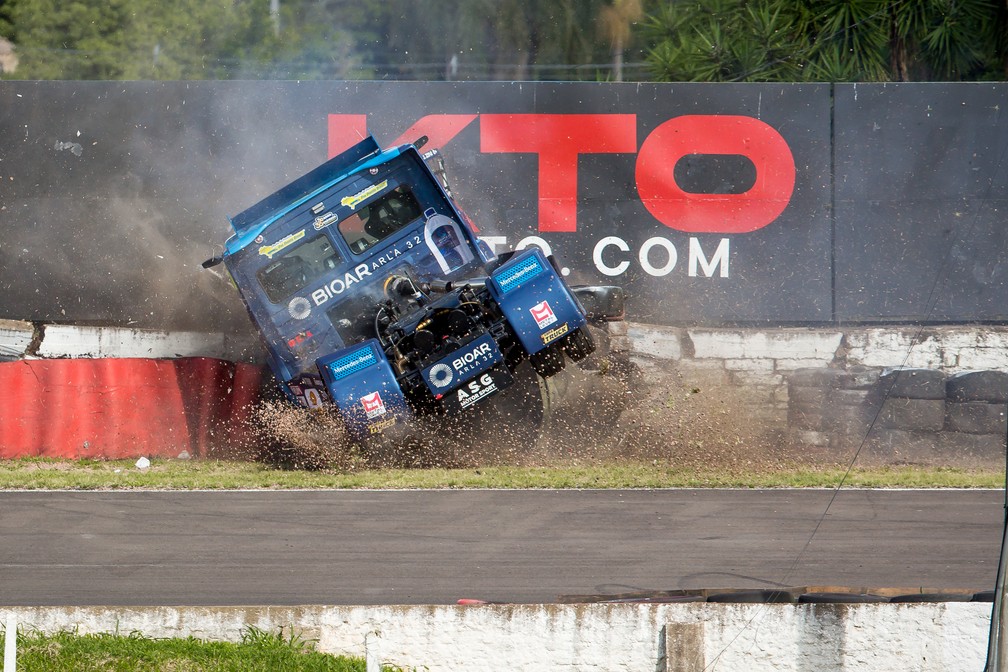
123, 39
336, 39
6, 29
827, 40
173, 39
485, 39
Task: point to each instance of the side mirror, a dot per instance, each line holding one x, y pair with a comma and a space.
212, 261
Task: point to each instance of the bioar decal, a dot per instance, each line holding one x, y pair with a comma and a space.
558, 140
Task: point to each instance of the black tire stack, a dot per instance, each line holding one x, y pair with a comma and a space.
830, 408
976, 407
915, 415
911, 413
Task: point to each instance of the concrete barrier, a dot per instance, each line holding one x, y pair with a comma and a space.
15, 339
938, 637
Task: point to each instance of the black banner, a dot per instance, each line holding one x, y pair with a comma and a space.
711, 204
921, 202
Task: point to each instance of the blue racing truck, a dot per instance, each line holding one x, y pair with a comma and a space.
374, 297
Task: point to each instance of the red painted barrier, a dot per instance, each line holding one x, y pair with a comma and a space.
118, 408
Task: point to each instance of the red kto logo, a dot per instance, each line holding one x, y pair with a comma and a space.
558, 140
373, 405
543, 314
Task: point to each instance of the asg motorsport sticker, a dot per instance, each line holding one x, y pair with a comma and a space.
543, 314
553, 334
269, 250
475, 391
353, 201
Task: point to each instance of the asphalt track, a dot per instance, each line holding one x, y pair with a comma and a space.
434, 547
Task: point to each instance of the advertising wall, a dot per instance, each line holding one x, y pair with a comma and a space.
728, 204
921, 198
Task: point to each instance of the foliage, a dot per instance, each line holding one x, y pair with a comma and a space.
488, 39
681, 40
175, 39
6, 29
827, 40
333, 39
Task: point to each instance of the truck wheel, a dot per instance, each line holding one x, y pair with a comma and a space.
580, 344
507, 426
548, 362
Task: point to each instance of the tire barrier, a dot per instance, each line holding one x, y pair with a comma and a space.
123, 408
900, 416
792, 595
917, 598
840, 598
986, 386
983, 596
829, 407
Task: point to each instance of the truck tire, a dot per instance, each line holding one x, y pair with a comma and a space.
840, 598
506, 427
580, 344
549, 361
912, 384
971, 386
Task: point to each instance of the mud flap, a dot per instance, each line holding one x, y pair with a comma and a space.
364, 389
536, 302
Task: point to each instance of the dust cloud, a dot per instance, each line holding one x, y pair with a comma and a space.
622, 412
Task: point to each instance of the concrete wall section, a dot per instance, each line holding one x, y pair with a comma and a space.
20, 339
941, 637
76, 341
951, 349
15, 339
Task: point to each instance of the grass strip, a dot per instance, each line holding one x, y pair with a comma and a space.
258, 651
48, 474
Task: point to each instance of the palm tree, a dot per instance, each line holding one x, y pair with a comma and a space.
828, 40
616, 20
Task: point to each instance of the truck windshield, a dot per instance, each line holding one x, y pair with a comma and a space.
380, 219
297, 268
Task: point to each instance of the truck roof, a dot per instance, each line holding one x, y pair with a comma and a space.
252, 221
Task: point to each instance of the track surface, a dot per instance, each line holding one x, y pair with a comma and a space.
367, 547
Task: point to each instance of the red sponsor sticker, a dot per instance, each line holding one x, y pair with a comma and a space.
373, 405
543, 314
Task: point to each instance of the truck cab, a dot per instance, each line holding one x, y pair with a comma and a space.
373, 294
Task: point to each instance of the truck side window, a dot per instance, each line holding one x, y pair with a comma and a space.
380, 218
297, 268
